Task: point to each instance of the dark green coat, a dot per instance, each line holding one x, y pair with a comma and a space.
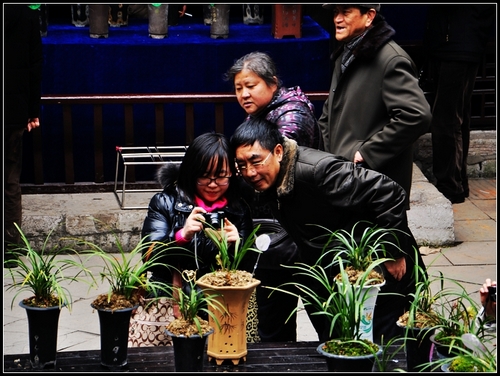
376, 107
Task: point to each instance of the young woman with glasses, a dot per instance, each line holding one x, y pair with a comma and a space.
203, 183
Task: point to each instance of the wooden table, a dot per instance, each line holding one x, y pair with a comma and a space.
261, 357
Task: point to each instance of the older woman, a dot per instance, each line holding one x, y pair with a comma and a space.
260, 93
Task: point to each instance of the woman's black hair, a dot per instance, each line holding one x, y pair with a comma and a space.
207, 151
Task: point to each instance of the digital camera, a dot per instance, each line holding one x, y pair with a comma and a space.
492, 290
214, 219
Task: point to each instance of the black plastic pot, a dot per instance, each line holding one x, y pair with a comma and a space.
418, 348
444, 350
114, 326
42, 329
343, 363
189, 352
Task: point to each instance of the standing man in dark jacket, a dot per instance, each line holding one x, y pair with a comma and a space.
22, 91
375, 110
306, 187
456, 37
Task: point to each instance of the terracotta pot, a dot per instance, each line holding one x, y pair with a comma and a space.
114, 326
189, 351
230, 341
42, 330
343, 363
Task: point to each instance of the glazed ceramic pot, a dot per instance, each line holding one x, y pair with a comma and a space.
158, 20
98, 20
219, 26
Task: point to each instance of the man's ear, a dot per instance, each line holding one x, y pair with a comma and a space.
370, 17
278, 152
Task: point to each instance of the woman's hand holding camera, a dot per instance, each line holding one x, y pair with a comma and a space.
197, 221
194, 223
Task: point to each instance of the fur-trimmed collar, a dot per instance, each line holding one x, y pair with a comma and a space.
376, 37
168, 174
286, 175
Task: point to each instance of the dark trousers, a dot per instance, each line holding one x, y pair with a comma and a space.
273, 309
13, 212
450, 126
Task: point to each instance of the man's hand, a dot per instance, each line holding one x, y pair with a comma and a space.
396, 268
33, 123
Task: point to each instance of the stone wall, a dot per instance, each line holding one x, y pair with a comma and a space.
481, 160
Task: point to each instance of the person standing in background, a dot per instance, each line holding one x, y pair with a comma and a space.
455, 41
375, 110
23, 60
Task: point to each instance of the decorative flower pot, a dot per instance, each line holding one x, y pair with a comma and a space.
219, 27
253, 14
189, 351
114, 326
230, 342
158, 21
42, 329
369, 296
343, 363
98, 20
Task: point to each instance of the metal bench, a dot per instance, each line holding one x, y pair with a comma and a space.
142, 155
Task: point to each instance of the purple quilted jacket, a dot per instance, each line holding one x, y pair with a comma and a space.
293, 112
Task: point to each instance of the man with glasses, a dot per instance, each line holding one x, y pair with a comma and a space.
309, 190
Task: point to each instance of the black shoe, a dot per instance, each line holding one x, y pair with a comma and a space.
456, 199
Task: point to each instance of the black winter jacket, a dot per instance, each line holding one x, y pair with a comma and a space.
316, 188
167, 213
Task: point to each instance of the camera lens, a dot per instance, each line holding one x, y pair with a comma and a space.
214, 219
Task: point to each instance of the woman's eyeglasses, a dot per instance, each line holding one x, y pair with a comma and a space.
223, 180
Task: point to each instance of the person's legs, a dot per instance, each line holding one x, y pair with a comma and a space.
274, 307
13, 152
469, 88
446, 127
395, 298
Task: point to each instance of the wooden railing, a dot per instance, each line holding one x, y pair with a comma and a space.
68, 103
483, 117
